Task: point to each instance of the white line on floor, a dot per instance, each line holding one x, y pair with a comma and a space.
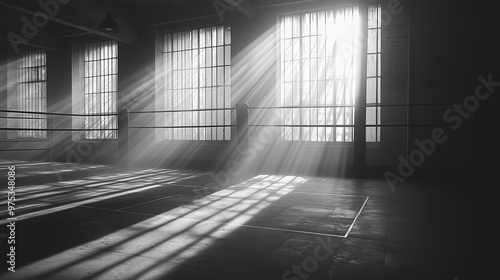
352, 225
215, 222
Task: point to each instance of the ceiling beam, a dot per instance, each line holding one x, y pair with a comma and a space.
243, 6
11, 31
73, 35
78, 15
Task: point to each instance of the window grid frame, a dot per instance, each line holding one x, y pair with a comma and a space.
347, 118
204, 124
378, 73
25, 100
102, 122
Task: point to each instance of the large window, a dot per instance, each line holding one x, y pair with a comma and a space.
100, 90
319, 74
198, 84
32, 93
374, 70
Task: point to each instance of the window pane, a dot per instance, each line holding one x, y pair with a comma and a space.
203, 75
372, 41
374, 72
31, 94
100, 90
319, 74
371, 91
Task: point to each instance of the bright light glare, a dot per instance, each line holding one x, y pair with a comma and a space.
319, 66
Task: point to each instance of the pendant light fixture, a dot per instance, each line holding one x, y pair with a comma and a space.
108, 24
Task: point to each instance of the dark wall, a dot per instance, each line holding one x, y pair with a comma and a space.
452, 45
476, 54
59, 98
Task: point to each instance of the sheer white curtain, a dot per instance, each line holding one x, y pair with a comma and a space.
319, 74
100, 90
198, 78
32, 93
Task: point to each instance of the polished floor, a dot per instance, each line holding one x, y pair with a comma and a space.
101, 222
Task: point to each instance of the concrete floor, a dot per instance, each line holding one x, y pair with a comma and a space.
100, 222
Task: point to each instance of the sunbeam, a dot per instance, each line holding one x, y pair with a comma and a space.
172, 236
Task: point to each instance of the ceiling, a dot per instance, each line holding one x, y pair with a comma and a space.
74, 18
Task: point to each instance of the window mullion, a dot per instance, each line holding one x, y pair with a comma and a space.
208, 87
30, 96
100, 78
